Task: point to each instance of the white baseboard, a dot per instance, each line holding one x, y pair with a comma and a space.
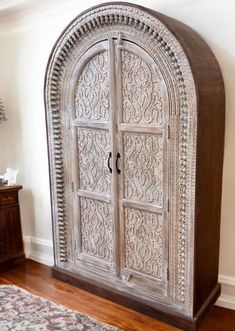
227, 297
39, 250
227, 280
226, 301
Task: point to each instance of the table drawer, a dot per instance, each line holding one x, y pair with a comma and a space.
8, 198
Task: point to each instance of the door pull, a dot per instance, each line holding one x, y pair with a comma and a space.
109, 158
118, 157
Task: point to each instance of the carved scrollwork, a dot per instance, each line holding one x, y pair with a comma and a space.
143, 242
142, 101
143, 172
92, 93
93, 150
96, 229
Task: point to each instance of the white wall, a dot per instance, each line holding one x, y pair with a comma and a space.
27, 34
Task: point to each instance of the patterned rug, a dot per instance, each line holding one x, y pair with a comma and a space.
22, 311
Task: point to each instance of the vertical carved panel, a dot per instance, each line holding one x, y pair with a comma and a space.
142, 102
143, 172
92, 93
143, 242
96, 229
93, 150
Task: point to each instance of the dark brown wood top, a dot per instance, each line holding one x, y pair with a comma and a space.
10, 188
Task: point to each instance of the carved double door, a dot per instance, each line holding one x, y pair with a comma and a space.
119, 169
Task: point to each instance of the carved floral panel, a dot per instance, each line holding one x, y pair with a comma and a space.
142, 102
96, 228
92, 92
143, 168
93, 151
143, 242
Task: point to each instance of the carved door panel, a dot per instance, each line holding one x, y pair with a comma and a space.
120, 120
92, 178
142, 125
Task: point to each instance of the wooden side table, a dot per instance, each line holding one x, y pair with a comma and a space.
11, 242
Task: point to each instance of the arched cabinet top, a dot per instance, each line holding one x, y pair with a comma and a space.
188, 58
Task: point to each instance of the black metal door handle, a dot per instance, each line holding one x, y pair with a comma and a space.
118, 157
109, 158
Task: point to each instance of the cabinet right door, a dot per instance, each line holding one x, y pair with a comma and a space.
143, 181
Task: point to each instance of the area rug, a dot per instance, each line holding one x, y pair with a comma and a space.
22, 311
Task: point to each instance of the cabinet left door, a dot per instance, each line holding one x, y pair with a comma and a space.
91, 161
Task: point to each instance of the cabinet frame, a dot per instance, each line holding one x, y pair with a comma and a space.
197, 91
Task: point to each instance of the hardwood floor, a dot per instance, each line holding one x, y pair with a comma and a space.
36, 278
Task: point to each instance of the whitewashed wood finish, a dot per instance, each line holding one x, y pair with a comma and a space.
113, 129
92, 93
143, 206
93, 150
126, 23
90, 124
140, 128
93, 237
143, 167
142, 179
141, 98
144, 242
96, 229
94, 195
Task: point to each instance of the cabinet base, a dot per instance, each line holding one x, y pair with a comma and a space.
160, 312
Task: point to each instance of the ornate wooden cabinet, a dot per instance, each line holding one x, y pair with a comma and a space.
135, 114
11, 242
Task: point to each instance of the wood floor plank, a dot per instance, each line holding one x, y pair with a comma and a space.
36, 278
